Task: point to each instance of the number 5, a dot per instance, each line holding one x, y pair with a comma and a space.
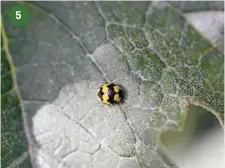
18, 14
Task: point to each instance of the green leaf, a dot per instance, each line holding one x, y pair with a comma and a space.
14, 146
69, 49
191, 6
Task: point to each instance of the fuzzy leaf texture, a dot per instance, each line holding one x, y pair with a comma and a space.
52, 68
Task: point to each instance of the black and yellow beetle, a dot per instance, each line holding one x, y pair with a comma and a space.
110, 93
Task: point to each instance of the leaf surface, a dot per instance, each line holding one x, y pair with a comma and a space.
69, 49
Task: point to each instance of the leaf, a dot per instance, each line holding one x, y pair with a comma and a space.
191, 6
69, 49
14, 146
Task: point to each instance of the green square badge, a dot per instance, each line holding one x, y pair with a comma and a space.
19, 15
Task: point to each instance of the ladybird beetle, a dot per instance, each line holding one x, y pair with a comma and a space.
110, 93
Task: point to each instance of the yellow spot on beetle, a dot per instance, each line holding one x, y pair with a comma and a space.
105, 99
117, 97
116, 88
105, 89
